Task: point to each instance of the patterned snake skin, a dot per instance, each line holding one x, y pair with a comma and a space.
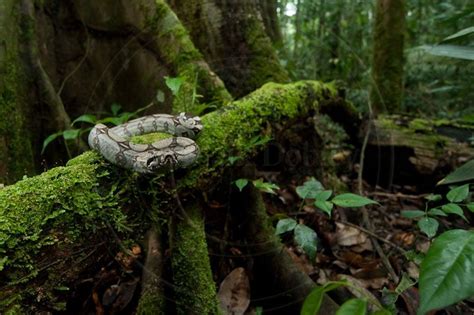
160, 156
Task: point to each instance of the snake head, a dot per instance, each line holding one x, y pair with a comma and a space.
193, 124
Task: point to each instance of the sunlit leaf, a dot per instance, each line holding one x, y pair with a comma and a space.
452, 51
462, 33
285, 225
265, 187
174, 84
447, 272
349, 200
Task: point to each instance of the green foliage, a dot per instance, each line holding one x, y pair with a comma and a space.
313, 301
447, 272
428, 223
306, 238
463, 173
353, 307
313, 189
258, 183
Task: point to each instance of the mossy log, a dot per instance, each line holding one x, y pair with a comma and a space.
405, 146
47, 221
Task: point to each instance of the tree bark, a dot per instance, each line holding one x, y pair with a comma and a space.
232, 37
387, 63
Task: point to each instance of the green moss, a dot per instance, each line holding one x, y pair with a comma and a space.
54, 210
227, 132
194, 288
151, 304
150, 138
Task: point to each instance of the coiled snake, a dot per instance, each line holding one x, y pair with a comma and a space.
161, 156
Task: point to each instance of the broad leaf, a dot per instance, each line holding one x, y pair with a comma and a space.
305, 237
437, 212
265, 187
353, 307
454, 209
313, 301
452, 51
49, 139
470, 206
310, 189
174, 84
352, 200
323, 195
325, 206
285, 225
429, 226
462, 33
461, 174
458, 194
410, 214
160, 96
71, 134
88, 118
241, 183
447, 272
433, 197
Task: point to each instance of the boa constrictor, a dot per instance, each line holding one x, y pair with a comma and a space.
160, 156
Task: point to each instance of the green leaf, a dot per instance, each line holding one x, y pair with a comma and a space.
454, 209
115, 108
49, 139
241, 183
305, 237
285, 225
429, 226
113, 120
88, 118
437, 212
433, 197
410, 214
404, 284
233, 159
265, 187
352, 200
325, 206
470, 206
452, 51
458, 194
71, 134
174, 84
309, 189
353, 307
447, 272
313, 301
462, 33
323, 195
461, 174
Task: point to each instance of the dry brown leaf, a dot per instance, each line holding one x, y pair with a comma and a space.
413, 270
349, 236
234, 292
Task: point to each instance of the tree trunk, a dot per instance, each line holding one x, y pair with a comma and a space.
232, 37
268, 11
387, 63
16, 152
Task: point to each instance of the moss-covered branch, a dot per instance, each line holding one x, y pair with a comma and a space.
67, 206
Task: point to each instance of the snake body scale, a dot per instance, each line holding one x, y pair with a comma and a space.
164, 155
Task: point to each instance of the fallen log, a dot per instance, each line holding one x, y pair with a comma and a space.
46, 221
